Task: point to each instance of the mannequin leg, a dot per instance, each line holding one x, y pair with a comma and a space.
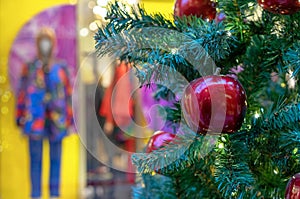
36, 151
55, 164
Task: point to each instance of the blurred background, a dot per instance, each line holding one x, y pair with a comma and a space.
75, 22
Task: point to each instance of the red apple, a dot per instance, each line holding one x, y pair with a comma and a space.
284, 7
214, 104
200, 8
158, 140
293, 188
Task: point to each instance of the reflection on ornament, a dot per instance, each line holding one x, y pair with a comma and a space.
293, 187
159, 139
285, 7
200, 8
214, 104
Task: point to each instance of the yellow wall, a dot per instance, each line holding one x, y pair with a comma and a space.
14, 165
160, 6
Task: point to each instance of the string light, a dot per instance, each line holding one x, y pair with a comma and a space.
295, 151
174, 51
91, 4
97, 10
283, 85
221, 146
84, 32
132, 2
256, 115
102, 2
93, 26
291, 81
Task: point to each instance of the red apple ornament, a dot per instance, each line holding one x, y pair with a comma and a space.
158, 140
293, 188
214, 104
284, 7
200, 8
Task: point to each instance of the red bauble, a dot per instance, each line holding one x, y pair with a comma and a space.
284, 7
200, 8
214, 104
158, 140
293, 188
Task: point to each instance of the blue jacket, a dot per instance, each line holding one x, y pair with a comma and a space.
44, 101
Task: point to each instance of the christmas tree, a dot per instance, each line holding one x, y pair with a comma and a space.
257, 45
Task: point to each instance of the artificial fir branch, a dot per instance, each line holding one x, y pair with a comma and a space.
232, 173
255, 162
153, 39
283, 118
178, 155
154, 187
292, 59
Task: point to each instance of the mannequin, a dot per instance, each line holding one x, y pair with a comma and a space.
44, 110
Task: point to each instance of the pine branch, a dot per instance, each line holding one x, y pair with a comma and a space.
289, 148
200, 175
236, 16
282, 118
160, 47
257, 71
232, 174
154, 187
179, 154
292, 59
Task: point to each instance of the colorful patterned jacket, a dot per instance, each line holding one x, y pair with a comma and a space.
44, 101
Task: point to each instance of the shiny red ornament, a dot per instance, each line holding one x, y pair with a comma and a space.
284, 7
214, 104
200, 8
293, 188
158, 140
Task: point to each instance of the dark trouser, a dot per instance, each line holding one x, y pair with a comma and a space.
36, 151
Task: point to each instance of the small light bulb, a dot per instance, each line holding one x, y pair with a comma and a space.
93, 26
174, 50
256, 115
221, 146
131, 2
84, 32
102, 2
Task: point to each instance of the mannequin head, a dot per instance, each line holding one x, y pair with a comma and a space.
45, 42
